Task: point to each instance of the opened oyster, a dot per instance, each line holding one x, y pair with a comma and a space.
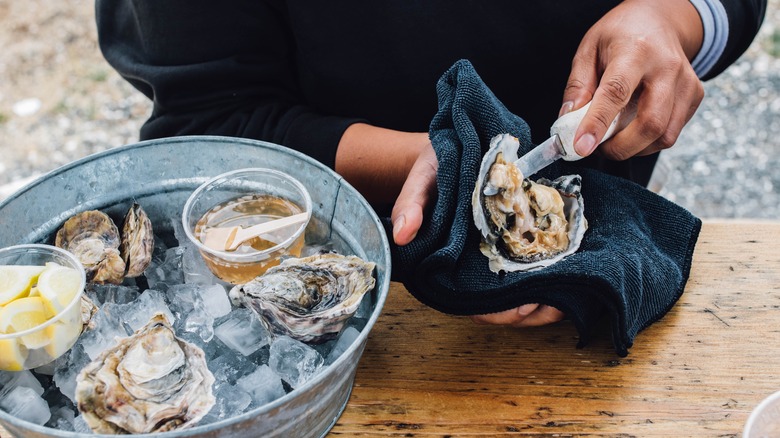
149, 382
309, 299
95, 240
525, 225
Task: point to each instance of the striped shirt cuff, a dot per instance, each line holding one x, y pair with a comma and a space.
715, 23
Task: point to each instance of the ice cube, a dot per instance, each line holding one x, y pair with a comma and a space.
67, 368
80, 426
346, 338
187, 304
242, 331
165, 271
111, 293
231, 401
216, 300
62, 419
108, 328
195, 269
295, 361
263, 385
24, 379
138, 313
26, 404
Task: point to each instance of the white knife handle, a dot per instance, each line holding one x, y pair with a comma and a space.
566, 126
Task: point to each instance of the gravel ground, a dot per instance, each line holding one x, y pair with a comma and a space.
60, 101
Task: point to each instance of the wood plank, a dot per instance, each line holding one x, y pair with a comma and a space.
698, 371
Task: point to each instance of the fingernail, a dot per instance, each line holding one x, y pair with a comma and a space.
565, 108
399, 223
585, 145
526, 309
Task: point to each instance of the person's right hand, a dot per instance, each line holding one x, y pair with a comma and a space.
417, 193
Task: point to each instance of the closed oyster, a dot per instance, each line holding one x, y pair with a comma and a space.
94, 239
137, 241
525, 225
309, 299
149, 382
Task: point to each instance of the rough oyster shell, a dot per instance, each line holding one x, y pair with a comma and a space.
525, 225
94, 239
137, 241
309, 299
149, 382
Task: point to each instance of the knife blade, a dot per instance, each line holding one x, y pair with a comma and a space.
561, 142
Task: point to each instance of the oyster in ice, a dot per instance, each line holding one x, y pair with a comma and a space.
137, 241
149, 382
108, 257
309, 299
94, 239
524, 224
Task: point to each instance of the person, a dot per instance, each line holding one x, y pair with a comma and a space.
352, 83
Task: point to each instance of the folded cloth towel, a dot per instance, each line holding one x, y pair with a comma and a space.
631, 267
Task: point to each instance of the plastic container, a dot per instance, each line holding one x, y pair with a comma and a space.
42, 344
764, 421
270, 194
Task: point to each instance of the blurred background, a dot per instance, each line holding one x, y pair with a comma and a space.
60, 101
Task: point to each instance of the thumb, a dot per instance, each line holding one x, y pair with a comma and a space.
416, 193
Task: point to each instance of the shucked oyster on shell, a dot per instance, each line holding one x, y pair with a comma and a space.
309, 299
525, 225
150, 382
108, 257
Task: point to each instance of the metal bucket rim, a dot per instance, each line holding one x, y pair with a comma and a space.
382, 291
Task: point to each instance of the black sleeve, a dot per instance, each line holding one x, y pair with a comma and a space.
218, 68
745, 17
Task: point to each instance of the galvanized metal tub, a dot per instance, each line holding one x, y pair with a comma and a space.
160, 175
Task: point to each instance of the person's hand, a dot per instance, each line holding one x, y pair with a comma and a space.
529, 315
416, 194
639, 49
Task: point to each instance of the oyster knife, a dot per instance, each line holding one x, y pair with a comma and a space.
560, 144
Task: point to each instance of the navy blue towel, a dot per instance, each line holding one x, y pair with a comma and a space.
631, 267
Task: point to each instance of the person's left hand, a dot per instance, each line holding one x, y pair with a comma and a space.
529, 315
417, 192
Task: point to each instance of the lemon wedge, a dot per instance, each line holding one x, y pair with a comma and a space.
23, 314
15, 281
61, 336
58, 286
12, 355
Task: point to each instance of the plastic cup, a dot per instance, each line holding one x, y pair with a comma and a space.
764, 421
42, 344
258, 190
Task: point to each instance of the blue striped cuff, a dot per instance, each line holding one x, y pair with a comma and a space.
716, 33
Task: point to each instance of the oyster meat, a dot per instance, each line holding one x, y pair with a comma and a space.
149, 382
525, 225
108, 257
309, 299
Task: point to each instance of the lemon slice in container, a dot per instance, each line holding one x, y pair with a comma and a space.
61, 336
12, 355
24, 314
15, 281
57, 286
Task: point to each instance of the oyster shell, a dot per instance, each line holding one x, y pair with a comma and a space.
525, 225
149, 382
94, 239
137, 241
309, 299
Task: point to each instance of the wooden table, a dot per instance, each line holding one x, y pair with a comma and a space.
699, 371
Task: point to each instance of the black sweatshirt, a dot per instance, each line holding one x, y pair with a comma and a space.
298, 73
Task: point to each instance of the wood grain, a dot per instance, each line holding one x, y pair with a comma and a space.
699, 371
